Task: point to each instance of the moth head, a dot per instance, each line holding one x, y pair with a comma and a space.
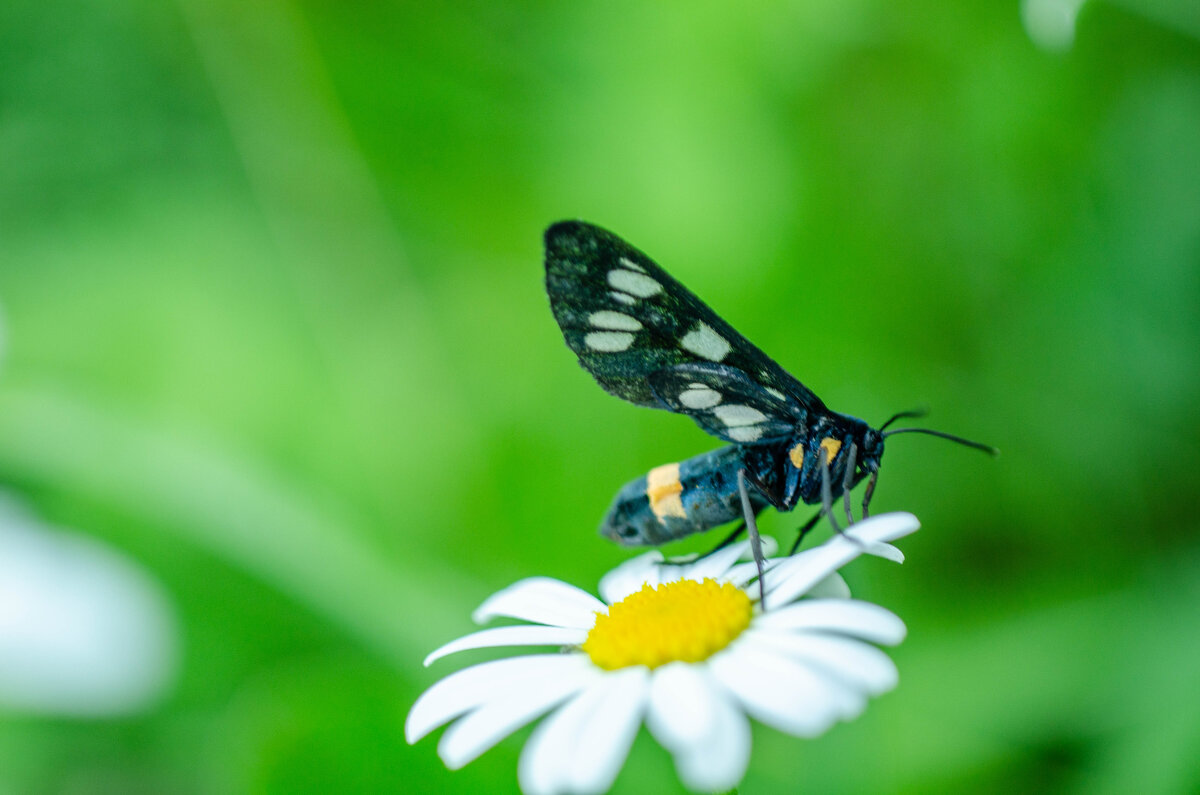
872, 450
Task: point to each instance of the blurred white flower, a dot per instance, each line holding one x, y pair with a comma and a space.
1051, 23
83, 630
683, 647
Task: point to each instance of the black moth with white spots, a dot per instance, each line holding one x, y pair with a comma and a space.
647, 339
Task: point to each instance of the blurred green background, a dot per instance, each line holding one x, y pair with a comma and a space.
276, 330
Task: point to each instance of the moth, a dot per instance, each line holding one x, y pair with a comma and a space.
647, 339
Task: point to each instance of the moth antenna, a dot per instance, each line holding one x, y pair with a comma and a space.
987, 448
904, 415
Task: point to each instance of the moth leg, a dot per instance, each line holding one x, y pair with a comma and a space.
827, 491
827, 499
809, 525
755, 541
869, 492
729, 539
848, 480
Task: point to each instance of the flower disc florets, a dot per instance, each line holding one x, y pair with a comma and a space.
685, 621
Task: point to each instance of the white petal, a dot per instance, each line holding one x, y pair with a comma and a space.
882, 550
741, 574
543, 600
466, 689
858, 664
720, 564
605, 740
511, 636
797, 574
681, 711
553, 760
782, 693
512, 709
832, 587
848, 700
694, 718
544, 768
653, 569
714, 565
719, 761
884, 527
630, 576
842, 616
745, 572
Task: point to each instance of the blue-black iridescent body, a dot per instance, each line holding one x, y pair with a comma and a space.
708, 496
647, 339
709, 488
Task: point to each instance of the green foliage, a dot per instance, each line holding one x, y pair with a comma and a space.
275, 328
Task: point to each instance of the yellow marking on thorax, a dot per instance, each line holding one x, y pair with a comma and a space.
796, 454
663, 489
831, 447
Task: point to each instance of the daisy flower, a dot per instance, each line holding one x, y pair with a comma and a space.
686, 648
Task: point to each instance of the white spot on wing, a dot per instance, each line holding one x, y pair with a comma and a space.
608, 341
618, 321
624, 298
638, 284
706, 343
633, 266
734, 414
776, 393
698, 396
744, 433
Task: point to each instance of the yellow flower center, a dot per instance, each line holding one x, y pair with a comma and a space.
684, 620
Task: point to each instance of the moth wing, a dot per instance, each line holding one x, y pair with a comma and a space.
727, 403
626, 319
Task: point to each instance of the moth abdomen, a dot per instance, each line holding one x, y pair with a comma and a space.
675, 500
